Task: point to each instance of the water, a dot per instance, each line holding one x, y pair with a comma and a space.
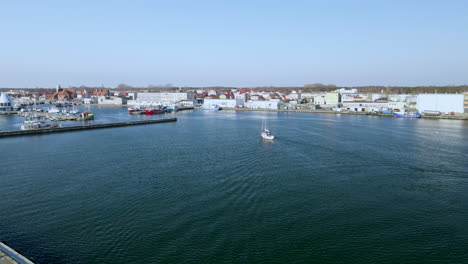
207, 189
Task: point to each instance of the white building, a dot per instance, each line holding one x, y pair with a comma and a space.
397, 105
212, 92
375, 96
398, 97
91, 100
308, 95
189, 103
466, 102
364, 106
165, 98
111, 100
444, 103
271, 104
231, 103
347, 97
319, 99
6, 103
294, 96
241, 96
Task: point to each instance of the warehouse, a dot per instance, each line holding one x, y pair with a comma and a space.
444, 103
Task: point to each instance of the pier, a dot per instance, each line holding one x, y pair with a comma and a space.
57, 116
10, 256
83, 127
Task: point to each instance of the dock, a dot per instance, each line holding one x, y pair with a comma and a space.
56, 116
10, 256
83, 127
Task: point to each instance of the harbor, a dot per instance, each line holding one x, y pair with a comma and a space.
145, 190
234, 132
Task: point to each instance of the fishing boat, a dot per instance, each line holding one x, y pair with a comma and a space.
154, 111
265, 132
407, 114
172, 108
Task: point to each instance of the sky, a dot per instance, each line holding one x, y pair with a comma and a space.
233, 43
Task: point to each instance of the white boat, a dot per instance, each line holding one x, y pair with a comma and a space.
74, 111
30, 124
172, 108
265, 132
33, 123
54, 110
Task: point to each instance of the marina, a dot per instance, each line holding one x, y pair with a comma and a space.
48, 130
59, 116
144, 132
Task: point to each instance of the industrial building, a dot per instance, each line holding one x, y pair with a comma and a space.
165, 98
444, 103
271, 104
332, 98
466, 102
231, 103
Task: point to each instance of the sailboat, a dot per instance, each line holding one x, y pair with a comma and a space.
74, 111
265, 132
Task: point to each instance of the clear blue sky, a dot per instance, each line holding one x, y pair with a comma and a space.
233, 43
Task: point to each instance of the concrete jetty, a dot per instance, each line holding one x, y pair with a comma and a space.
83, 127
10, 256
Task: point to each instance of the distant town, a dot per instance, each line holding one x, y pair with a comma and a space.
435, 101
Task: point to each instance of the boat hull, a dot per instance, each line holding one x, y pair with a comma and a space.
154, 112
407, 115
268, 137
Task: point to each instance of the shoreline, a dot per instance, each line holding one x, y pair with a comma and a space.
463, 116
446, 117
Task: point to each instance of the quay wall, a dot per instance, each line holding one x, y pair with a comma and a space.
452, 117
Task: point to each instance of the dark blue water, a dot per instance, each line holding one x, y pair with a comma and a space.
207, 189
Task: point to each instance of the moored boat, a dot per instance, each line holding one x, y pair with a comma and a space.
74, 111
154, 111
407, 114
172, 108
34, 123
53, 110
